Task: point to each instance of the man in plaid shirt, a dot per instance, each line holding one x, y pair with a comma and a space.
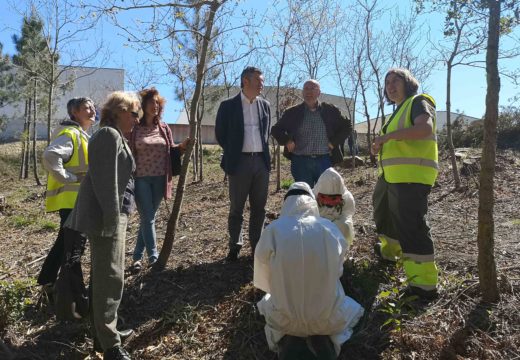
312, 134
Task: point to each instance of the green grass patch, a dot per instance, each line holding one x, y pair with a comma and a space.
49, 225
15, 296
286, 183
20, 221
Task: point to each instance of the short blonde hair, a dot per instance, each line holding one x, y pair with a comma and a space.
411, 84
116, 103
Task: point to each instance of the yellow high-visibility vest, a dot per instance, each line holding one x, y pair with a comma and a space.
63, 196
409, 161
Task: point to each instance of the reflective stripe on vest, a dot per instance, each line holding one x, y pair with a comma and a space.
63, 196
409, 161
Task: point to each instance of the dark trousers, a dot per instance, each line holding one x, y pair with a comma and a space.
297, 348
400, 213
250, 180
55, 258
309, 168
71, 296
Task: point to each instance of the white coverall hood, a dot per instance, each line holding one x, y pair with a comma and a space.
331, 183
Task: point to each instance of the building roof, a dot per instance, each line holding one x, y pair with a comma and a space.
441, 121
215, 95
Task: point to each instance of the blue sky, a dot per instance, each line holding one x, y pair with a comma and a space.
468, 91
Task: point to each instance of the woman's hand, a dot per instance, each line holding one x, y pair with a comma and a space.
184, 144
378, 143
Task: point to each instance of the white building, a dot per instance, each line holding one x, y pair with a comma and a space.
215, 95
95, 83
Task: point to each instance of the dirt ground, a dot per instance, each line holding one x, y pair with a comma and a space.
201, 308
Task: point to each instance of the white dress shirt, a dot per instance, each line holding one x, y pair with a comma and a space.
252, 136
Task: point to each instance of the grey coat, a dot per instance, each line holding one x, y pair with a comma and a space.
101, 193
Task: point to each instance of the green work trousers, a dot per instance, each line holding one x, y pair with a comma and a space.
108, 261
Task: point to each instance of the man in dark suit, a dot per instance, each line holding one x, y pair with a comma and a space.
242, 130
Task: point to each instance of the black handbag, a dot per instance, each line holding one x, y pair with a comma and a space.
175, 158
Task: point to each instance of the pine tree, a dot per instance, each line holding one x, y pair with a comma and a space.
33, 62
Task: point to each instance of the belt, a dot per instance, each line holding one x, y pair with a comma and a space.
252, 153
314, 156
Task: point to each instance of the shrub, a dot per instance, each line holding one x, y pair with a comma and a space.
14, 298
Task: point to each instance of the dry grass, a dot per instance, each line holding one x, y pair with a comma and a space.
201, 308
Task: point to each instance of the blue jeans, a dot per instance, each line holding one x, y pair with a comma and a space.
309, 168
149, 190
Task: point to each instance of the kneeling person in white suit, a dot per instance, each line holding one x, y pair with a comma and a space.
298, 263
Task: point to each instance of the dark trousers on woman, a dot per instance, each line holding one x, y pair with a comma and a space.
54, 259
400, 216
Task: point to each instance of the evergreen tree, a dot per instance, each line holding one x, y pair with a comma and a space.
33, 61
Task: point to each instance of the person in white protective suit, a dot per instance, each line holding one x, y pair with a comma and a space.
298, 263
335, 202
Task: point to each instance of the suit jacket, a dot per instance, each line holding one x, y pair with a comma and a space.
337, 127
101, 194
229, 131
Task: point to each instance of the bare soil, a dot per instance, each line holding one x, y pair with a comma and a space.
201, 308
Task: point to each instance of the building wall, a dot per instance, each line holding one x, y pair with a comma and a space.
95, 83
181, 132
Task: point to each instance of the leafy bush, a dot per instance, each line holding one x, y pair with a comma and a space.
472, 134
14, 298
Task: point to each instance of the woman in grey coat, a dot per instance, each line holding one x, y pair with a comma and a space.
104, 202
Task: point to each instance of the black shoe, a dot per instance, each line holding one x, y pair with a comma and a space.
421, 293
123, 335
232, 256
116, 353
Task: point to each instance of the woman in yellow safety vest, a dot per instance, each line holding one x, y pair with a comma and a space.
66, 161
408, 166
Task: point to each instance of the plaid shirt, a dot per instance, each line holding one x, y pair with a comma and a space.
311, 138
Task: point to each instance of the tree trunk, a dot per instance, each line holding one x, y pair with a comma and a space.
451, 148
486, 227
201, 154
28, 139
49, 110
23, 141
34, 150
179, 194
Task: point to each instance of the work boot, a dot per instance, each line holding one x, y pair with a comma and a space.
421, 293
123, 335
116, 353
232, 256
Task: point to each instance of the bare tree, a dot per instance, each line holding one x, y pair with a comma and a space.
65, 28
280, 53
464, 43
314, 29
486, 226
188, 28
